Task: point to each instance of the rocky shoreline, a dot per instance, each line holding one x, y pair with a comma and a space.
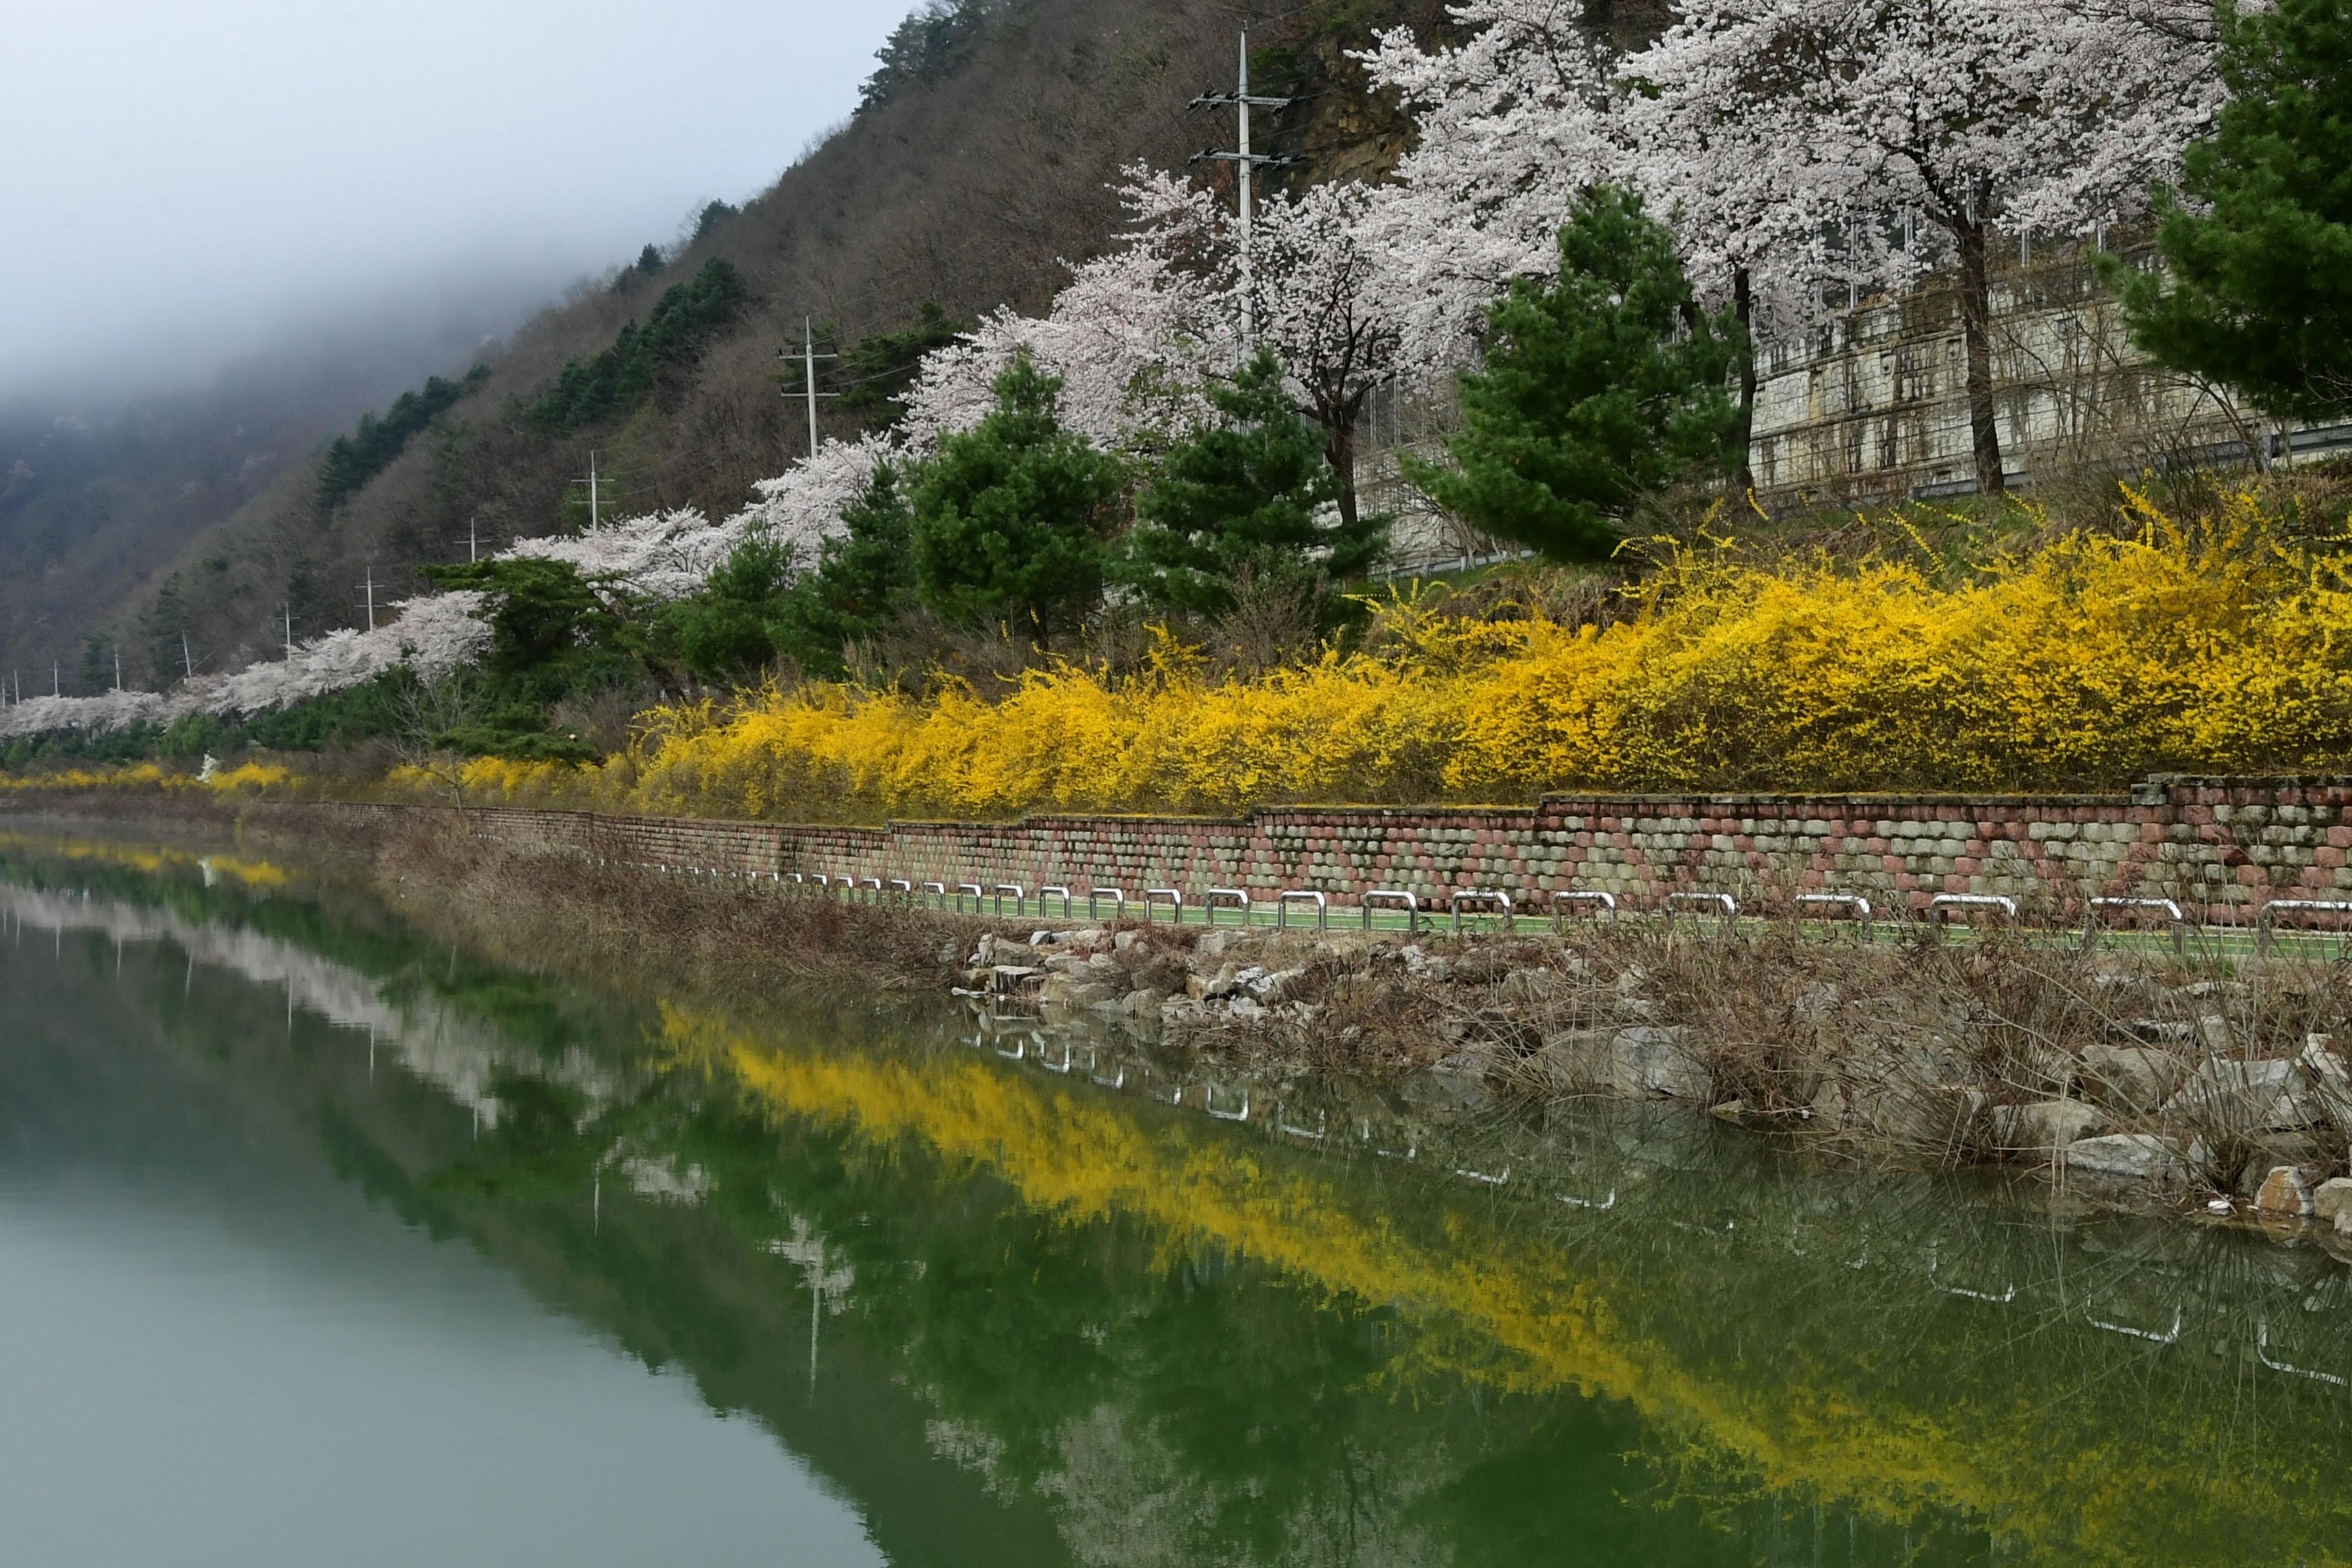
2124, 1078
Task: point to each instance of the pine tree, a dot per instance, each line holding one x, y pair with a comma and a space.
1252, 493
864, 579
2259, 291
1010, 518
723, 631
1597, 389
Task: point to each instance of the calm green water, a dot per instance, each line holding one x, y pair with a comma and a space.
323, 1241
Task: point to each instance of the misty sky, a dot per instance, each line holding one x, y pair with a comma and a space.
186, 183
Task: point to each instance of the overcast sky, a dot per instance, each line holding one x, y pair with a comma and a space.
183, 183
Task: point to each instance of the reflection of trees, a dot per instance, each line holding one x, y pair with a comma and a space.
1200, 1341
1884, 1342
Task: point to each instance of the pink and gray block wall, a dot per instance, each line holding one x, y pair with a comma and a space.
2220, 847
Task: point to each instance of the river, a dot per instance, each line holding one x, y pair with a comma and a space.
324, 1239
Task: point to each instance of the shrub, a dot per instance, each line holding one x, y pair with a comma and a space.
2084, 663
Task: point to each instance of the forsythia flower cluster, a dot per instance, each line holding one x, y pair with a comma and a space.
2086, 663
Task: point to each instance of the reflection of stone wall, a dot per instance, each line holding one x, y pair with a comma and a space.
2220, 846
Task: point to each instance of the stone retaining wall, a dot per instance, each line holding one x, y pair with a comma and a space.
2221, 847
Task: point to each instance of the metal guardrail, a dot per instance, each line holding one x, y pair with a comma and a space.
1487, 897
1047, 892
1118, 902
1722, 904
1322, 908
1941, 906
2263, 1353
1238, 896
2171, 912
2268, 918
1853, 904
1391, 896
1020, 897
1606, 903
938, 890
1172, 897
2169, 1336
2002, 1300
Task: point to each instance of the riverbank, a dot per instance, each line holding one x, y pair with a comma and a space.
2208, 1084
2131, 1077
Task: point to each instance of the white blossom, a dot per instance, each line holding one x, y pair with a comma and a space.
1134, 336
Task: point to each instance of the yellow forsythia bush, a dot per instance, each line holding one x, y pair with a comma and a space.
2086, 662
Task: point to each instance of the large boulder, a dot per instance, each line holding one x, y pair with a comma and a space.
2045, 1125
2133, 1079
2286, 1192
2129, 1157
1651, 1060
2231, 1095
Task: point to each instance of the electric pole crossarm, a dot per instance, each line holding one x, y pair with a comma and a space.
1233, 99
1258, 160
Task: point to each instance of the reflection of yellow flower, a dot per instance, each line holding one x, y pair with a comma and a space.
1490, 1305
249, 778
150, 858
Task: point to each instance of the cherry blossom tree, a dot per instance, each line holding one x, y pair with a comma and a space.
1317, 284
1795, 146
1508, 126
1133, 337
1971, 118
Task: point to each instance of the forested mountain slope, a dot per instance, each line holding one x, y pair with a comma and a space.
983, 158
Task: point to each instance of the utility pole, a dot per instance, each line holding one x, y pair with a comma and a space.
1246, 163
594, 515
188, 659
118, 668
473, 538
289, 631
808, 357
370, 595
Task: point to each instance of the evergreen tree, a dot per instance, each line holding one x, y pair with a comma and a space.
864, 579
2259, 291
1010, 516
1597, 389
723, 632
613, 380
1252, 493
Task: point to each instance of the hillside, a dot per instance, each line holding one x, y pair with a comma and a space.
983, 159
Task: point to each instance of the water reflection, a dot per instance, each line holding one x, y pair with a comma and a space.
1024, 1295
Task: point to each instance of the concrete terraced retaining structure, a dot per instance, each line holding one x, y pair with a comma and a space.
2223, 849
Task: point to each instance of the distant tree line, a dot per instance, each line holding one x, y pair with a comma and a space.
923, 48
353, 459
612, 381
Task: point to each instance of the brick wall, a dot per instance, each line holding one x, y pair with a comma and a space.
2220, 846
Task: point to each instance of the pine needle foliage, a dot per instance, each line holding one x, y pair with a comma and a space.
1250, 494
1010, 517
1600, 387
614, 380
2257, 286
